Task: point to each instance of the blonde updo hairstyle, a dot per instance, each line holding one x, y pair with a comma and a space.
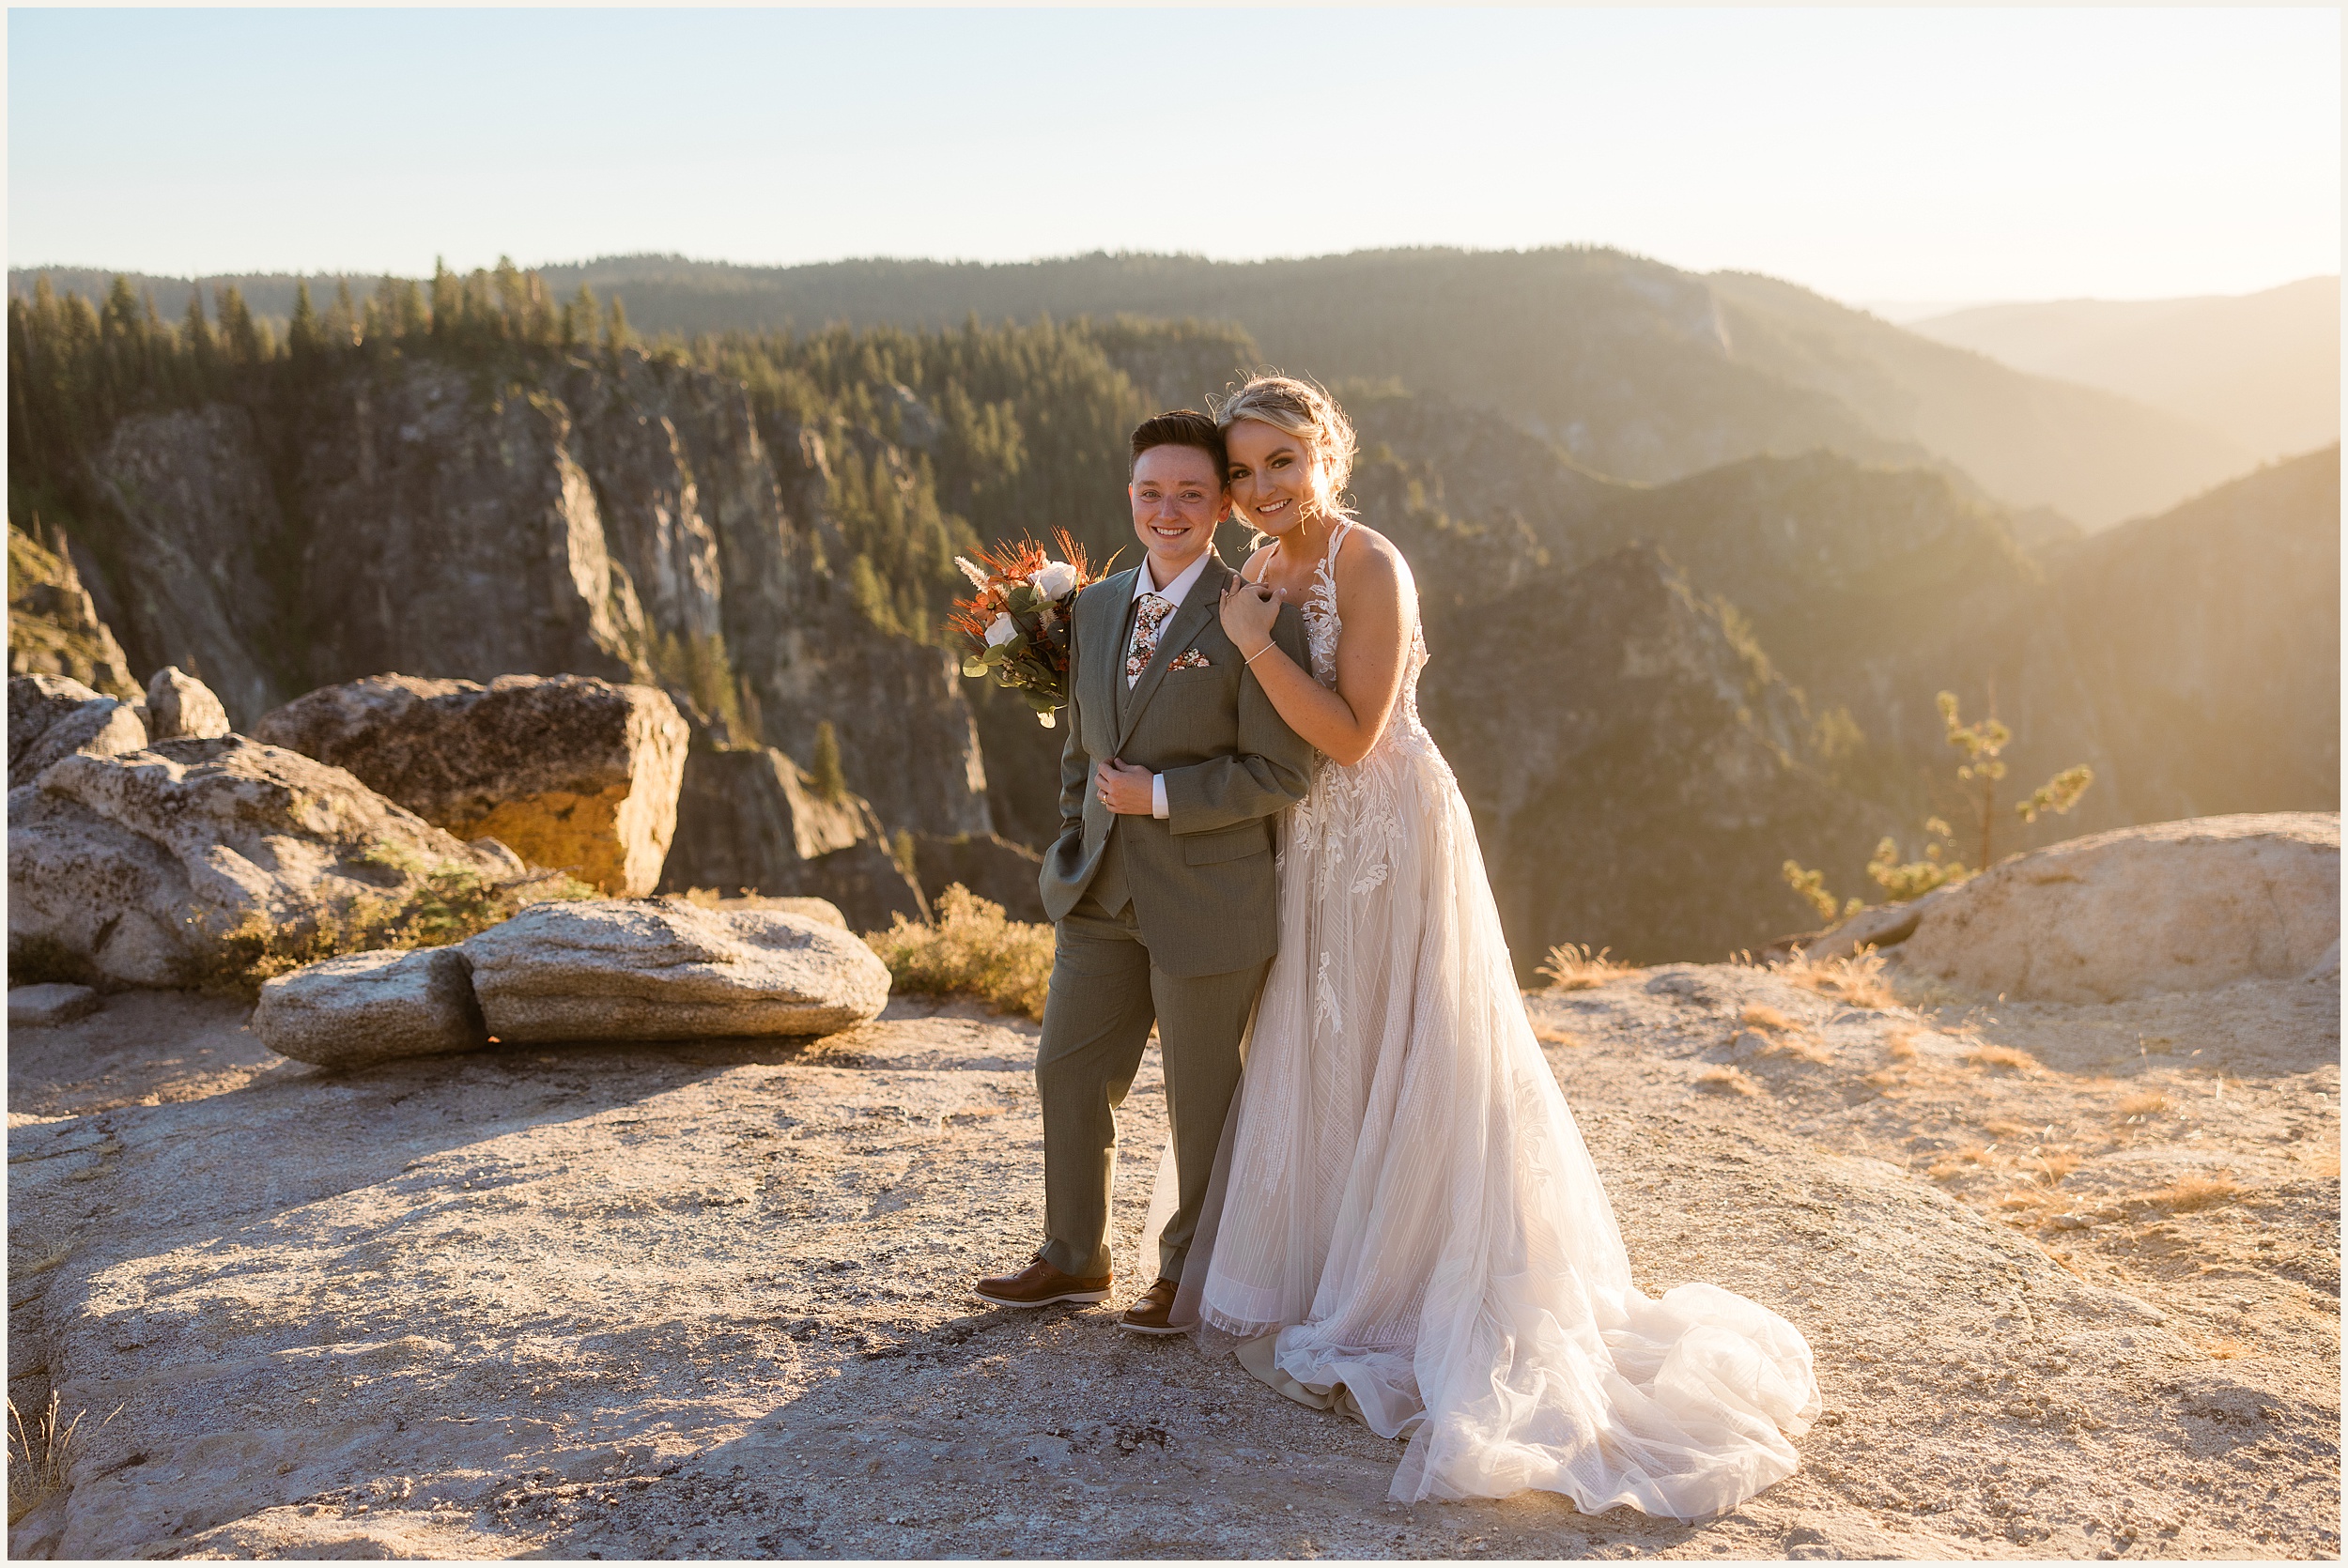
1307, 412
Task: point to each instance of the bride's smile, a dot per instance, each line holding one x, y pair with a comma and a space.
1276, 483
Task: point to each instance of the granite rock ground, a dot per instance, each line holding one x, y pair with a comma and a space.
2070, 1273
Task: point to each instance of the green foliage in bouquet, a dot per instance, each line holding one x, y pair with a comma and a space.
1014, 625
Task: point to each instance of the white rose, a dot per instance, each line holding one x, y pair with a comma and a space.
1057, 580
1001, 632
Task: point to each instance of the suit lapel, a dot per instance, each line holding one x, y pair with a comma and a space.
1198, 606
1105, 676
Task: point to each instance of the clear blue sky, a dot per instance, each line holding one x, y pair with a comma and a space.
1875, 155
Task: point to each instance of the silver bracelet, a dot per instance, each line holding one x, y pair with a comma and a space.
1258, 653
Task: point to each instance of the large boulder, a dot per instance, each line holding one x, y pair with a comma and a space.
164, 867
52, 716
995, 868
180, 706
668, 969
569, 771
752, 821
366, 1008
2174, 906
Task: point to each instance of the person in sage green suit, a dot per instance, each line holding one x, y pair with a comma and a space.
1161, 882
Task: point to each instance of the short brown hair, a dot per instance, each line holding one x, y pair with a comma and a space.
1183, 427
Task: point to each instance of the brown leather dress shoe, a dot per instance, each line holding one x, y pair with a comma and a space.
1151, 1313
1040, 1285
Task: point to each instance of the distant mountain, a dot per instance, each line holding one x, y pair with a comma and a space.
1635, 369
2262, 369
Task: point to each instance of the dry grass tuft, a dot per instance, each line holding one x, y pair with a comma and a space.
1767, 1017
2150, 1103
1963, 1160
1549, 1034
2187, 1194
2225, 1350
2324, 1166
1572, 966
2053, 1164
971, 950
1855, 982
1981, 1053
1726, 1080
1801, 1048
40, 1454
1900, 1045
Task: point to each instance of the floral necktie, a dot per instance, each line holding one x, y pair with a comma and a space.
1147, 620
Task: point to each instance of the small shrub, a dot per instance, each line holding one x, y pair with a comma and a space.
1572, 966
1549, 1034
1900, 1045
2150, 1103
1726, 1080
970, 950
1762, 1017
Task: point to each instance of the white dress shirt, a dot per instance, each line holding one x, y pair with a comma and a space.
1173, 593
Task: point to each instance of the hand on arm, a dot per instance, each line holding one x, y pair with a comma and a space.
1381, 603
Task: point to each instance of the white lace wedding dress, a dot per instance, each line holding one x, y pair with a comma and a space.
1407, 1204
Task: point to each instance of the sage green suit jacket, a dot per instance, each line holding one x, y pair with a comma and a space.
1202, 884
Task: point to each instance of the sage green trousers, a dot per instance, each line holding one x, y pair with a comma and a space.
1105, 994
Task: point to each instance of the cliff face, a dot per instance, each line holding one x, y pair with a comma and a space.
630, 520
1637, 776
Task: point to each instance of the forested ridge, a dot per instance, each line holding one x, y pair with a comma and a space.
1637, 369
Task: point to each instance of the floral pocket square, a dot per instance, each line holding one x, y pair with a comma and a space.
1189, 658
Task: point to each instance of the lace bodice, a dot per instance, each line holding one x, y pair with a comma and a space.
1323, 626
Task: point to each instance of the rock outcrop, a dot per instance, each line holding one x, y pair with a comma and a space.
753, 820
994, 869
2171, 907
52, 716
568, 771
366, 1008
159, 867
54, 625
1637, 769
626, 519
670, 971
179, 706
45, 1006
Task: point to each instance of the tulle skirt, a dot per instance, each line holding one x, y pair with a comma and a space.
1405, 1223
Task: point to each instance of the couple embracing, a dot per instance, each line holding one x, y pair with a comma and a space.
1389, 1213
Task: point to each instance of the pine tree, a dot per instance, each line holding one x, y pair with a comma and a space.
203, 350
831, 781
580, 318
615, 332
447, 296
303, 339
239, 339
341, 327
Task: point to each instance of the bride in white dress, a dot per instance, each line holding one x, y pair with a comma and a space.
1410, 1228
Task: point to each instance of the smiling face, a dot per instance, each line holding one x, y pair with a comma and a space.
1275, 479
1176, 501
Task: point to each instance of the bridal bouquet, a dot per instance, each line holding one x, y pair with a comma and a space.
1015, 626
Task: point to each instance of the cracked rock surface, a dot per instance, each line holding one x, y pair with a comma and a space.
706, 1299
